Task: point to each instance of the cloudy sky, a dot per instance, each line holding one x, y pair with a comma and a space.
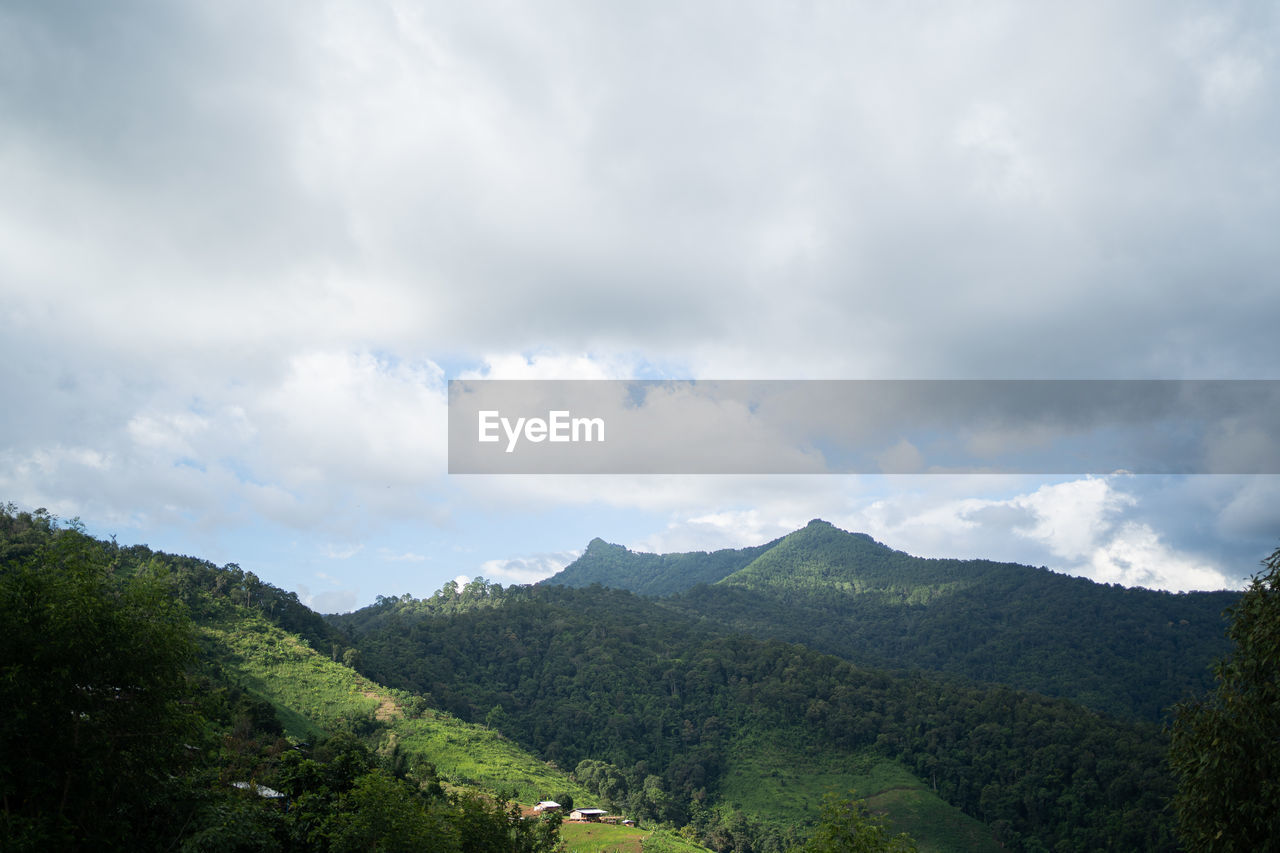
243, 247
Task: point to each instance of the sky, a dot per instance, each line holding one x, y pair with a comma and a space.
244, 246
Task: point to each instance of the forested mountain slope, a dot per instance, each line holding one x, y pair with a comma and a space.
653, 574
1132, 652
696, 718
155, 702
153, 698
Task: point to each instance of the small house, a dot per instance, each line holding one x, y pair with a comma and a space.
587, 814
546, 806
261, 790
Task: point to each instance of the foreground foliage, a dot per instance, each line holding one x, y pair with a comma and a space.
93, 686
119, 733
1226, 747
847, 826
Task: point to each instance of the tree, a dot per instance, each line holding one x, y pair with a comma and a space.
383, 814
1225, 748
846, 826
496, 718
93, 683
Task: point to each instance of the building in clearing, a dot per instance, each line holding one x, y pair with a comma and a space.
546, 806
260, 790
617, 820
587, 814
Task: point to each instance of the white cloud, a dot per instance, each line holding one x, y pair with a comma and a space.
1069, 517
237, 243
526, 570
328, 601
171, 433
341, 552
356, 418
1080, 527
724, 529
1077, 526
1133, 555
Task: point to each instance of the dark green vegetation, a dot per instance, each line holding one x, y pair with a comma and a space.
663, 716
1128, 652
93, 686
146, 700
1226, 747
654, 574
847, 827
151, 701
777, 781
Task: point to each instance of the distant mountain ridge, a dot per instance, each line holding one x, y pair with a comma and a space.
660, 575
653, 574
1132, 652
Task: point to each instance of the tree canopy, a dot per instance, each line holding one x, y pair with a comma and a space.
1225, 747
847, 826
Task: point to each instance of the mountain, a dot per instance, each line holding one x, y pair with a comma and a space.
665, 574
1131, 652
653, 574
739, 737
159, 701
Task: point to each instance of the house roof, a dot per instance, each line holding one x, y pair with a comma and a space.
260, 790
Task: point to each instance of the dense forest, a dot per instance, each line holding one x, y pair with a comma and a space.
163, 702
604, 674
1128, 652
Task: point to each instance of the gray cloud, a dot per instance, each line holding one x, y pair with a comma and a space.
995, 190
196, 198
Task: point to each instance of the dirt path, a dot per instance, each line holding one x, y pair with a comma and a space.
387, 707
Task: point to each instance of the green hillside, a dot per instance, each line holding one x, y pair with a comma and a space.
312, 694
163, 702
821, 559
652, 574
673, 719
659, 575
152, 703
1131, 652
783, 784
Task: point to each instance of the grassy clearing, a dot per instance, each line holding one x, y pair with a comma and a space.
602, 838
784, 784
474, 755
312, 693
